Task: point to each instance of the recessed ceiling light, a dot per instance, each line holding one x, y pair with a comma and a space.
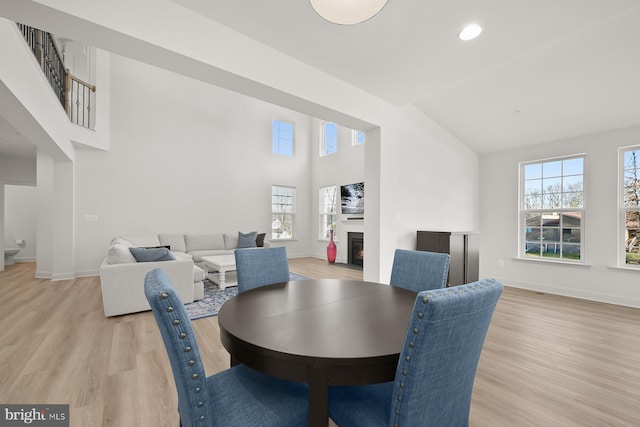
470, 32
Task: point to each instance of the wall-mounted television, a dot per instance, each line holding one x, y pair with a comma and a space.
352, 198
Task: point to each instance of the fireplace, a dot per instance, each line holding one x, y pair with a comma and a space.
355, 244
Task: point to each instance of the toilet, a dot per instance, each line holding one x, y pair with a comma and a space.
9, 254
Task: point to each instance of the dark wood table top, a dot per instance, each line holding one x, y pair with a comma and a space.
322, 332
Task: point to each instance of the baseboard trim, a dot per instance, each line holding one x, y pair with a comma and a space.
87, 273
573, 293
43, 275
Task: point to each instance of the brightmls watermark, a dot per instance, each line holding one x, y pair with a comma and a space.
35, 415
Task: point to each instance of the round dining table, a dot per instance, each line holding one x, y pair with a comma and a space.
322, 332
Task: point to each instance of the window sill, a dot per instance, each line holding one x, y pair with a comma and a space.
625, 268
554, 262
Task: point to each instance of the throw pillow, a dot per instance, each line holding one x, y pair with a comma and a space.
260, 239
247, 240
152, 254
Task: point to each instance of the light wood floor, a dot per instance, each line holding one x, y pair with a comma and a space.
547, 360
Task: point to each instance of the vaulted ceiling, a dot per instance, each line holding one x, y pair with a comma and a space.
540, 71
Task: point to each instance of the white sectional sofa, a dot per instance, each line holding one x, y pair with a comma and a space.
122, 277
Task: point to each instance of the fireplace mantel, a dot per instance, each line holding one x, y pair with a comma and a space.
352, 221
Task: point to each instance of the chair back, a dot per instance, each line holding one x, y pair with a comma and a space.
182, 348
261, 266
419, 270
437, 366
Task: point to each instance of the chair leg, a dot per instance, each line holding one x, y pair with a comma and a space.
234, 361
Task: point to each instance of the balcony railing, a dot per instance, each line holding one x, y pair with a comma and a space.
76, 96
79, 101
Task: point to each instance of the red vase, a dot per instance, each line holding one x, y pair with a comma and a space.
331, 249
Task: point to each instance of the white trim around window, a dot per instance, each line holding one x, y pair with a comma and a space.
283, 212
282, 138
552, 210
629, 207
358, 137
328, 138
327, 201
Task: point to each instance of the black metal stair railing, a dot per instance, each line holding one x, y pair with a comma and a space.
76, 96
79, 101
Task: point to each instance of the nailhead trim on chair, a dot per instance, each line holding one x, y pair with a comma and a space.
417, 323
183, 335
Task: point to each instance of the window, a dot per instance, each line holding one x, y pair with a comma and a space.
630, 206
552, 209
357, 137
282, 138
328, 200
283, 209
328, 138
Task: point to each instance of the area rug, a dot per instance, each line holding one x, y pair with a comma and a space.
214, 298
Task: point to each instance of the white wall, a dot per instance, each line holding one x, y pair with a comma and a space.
599, 279
418, 176
20, 220
428, 182
17, 170
29, 105
27, 101
186, 157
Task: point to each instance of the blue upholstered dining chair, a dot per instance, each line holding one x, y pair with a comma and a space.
261, 266
419, 270
239, 396
437, 365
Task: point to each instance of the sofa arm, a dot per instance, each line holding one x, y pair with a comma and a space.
123, 284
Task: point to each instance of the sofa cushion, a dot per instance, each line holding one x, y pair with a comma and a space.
198, 274
176, 241
145, 241
152, 254
260, 239
230, 240
247, 240
202, 242
181, 255
118, 253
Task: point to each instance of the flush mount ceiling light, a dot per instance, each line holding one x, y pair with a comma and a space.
470, 32
347, 12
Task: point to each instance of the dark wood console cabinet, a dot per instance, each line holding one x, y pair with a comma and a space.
463, 249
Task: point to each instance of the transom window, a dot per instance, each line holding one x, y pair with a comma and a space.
552, 209
328, 138
283, 210
282, 138
328, 200
630, 206
357, 137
